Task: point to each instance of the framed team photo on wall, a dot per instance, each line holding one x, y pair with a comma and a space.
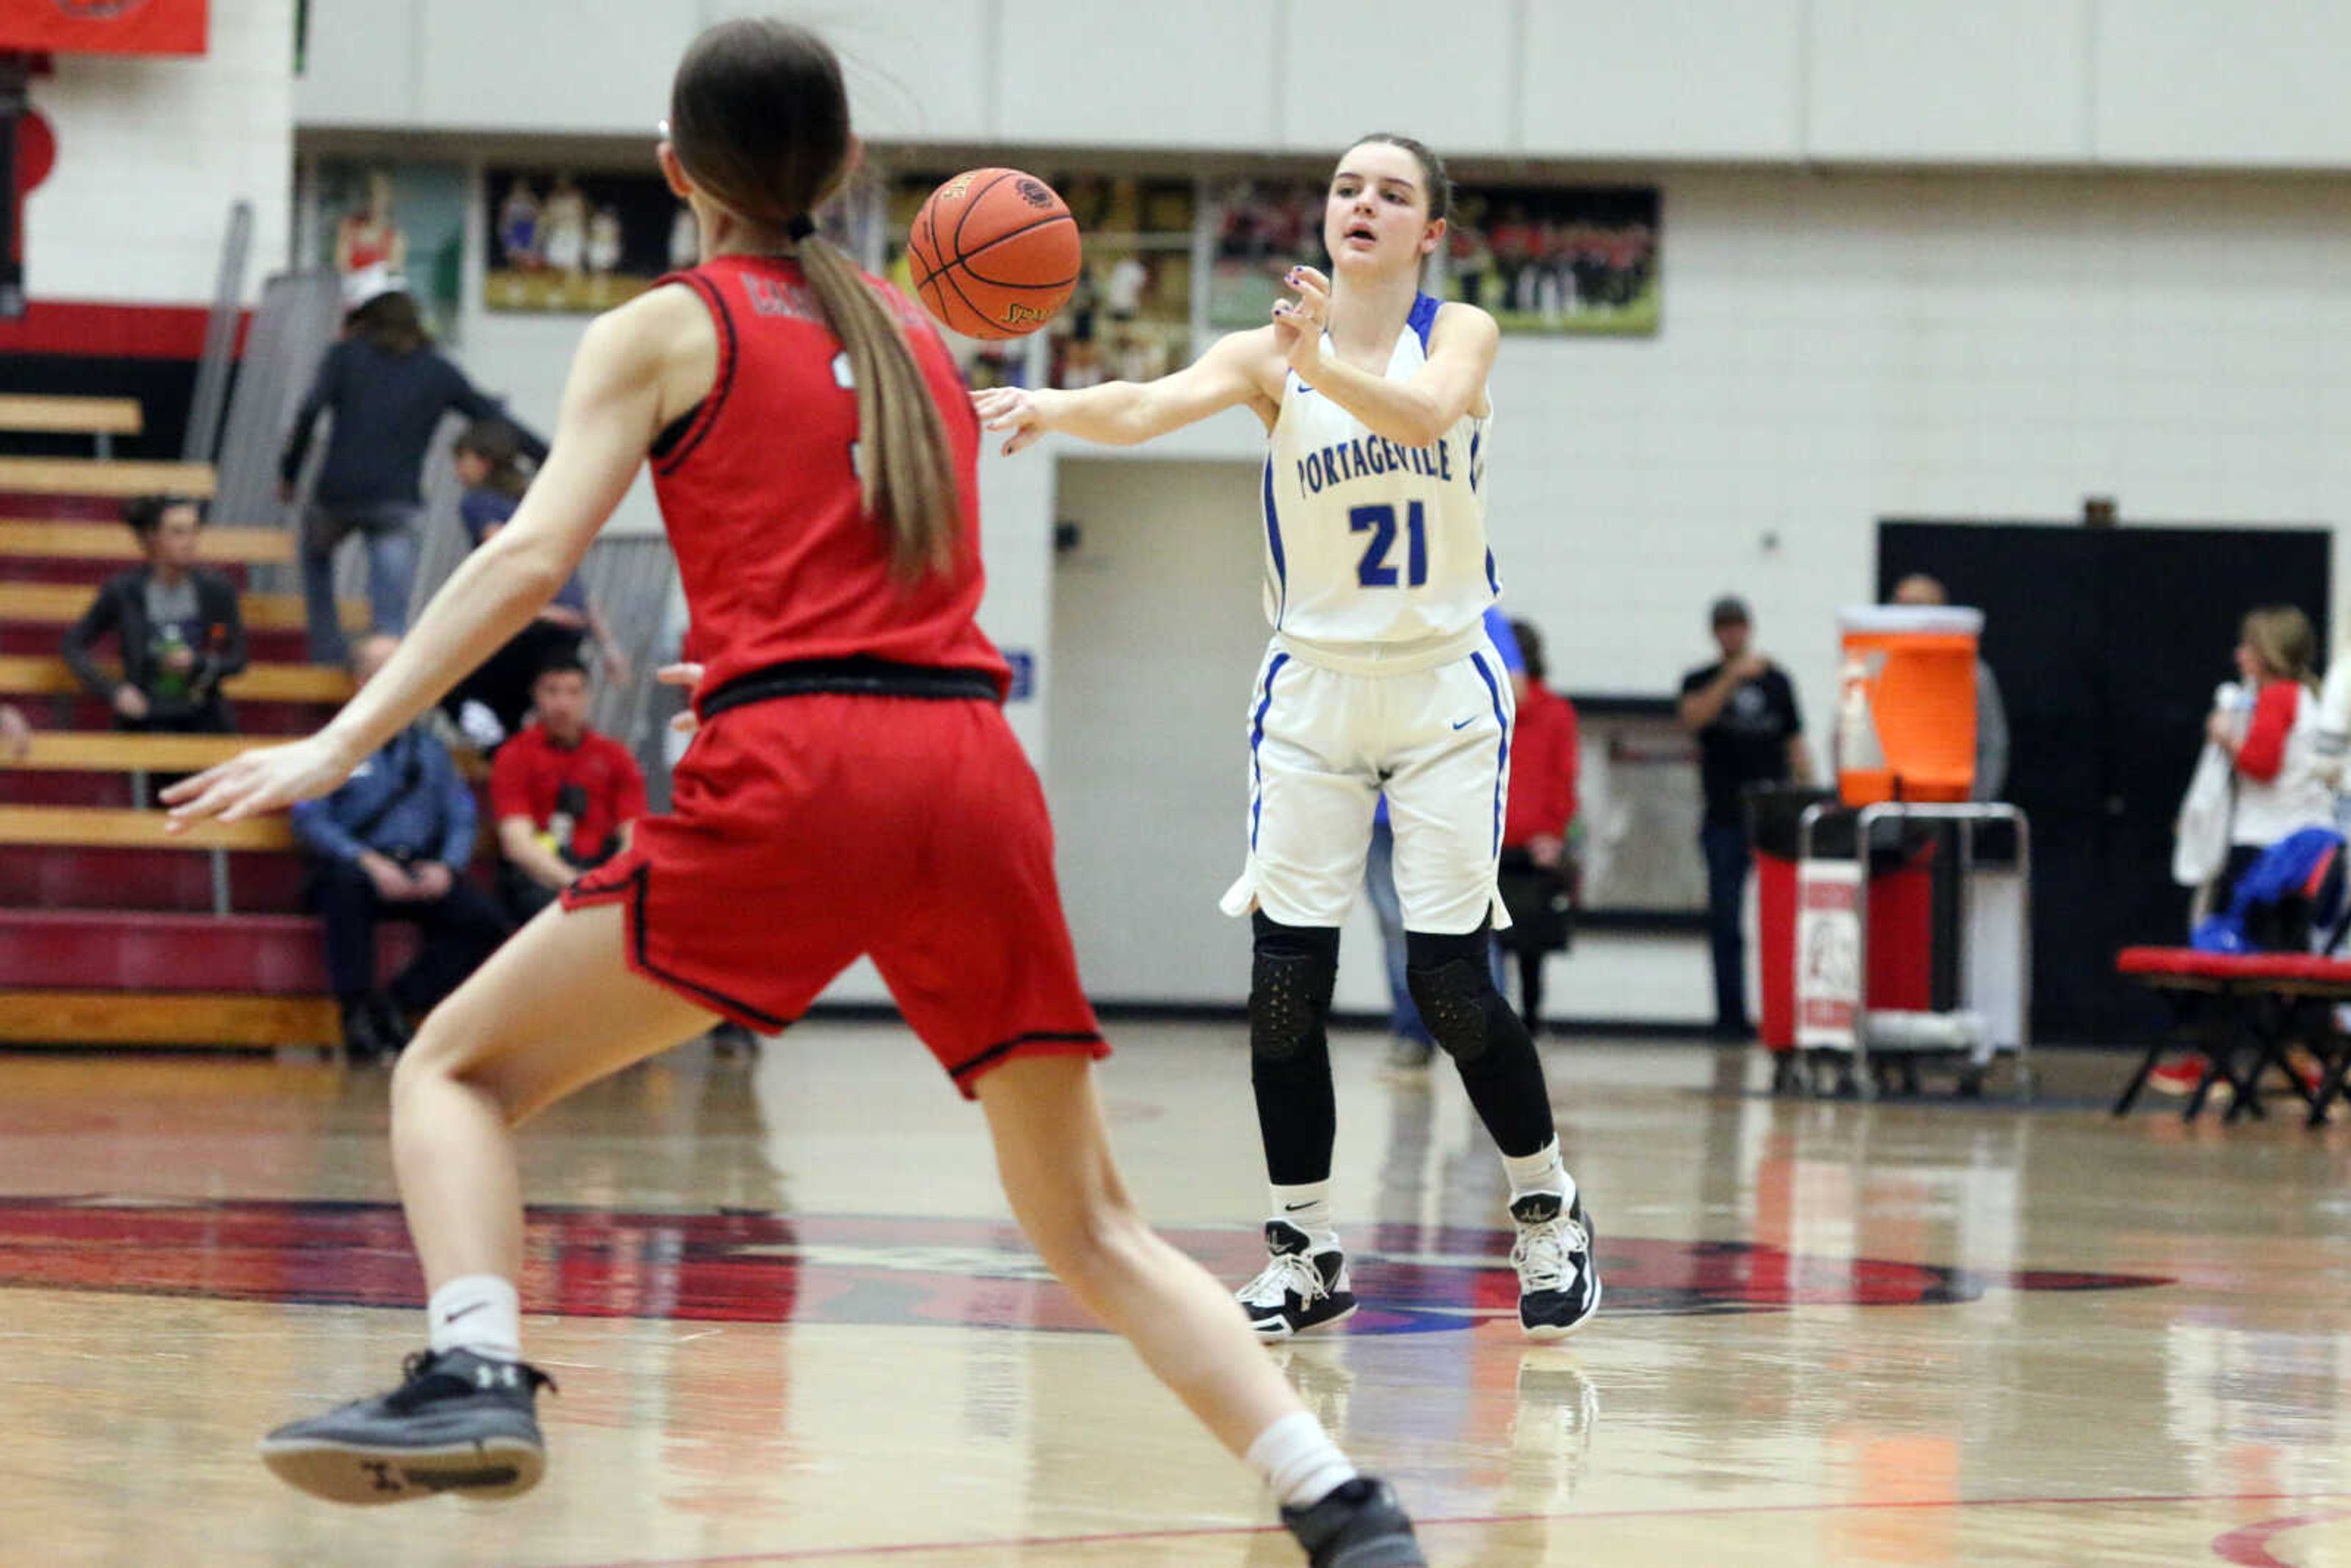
1538, 258
567, 241
408, 219
1562, 259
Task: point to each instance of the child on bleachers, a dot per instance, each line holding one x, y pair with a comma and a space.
488, 459
177, 625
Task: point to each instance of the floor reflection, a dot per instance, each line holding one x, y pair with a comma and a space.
790, 1318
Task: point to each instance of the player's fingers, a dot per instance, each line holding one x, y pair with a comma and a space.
679, 675
189, 787
196, 808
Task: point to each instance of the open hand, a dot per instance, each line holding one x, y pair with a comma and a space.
254, 782
1016, 409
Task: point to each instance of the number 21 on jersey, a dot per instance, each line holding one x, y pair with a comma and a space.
1380, 522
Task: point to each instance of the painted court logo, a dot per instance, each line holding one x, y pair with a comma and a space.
829, 1269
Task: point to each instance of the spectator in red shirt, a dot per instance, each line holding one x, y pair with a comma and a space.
561, 793
1534, 872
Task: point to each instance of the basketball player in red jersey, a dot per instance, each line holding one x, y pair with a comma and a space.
852, 790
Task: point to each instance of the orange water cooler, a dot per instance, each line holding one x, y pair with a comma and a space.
1905, 718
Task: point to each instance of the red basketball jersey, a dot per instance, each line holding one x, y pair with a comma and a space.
761, 493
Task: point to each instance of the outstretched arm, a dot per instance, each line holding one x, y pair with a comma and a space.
611, 410
1243, 368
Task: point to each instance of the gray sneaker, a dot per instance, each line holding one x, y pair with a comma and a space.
458, 1423
1360, 1525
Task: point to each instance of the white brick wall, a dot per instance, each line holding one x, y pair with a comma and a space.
1838, 349
151, 154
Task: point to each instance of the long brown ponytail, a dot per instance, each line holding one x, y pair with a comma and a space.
760, 118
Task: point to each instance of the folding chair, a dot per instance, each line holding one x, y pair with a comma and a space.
2245, 1011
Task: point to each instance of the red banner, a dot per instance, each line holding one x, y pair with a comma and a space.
103, 26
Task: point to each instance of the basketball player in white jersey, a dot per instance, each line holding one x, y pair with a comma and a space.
1379, 678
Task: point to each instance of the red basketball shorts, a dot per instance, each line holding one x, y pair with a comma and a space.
808, 831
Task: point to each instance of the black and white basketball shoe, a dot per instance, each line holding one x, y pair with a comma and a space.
1559, 1284
1299, 1288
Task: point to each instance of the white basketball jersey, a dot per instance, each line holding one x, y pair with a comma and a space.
1371, 546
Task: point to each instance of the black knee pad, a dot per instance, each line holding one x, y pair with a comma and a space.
1291, 980
1452, 983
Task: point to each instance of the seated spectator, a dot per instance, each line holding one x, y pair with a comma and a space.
563, 794
2282, 785
15, 735
488, 460
177, 626
390, 844
1534, 870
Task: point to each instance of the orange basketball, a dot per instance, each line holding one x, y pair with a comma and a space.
994, 252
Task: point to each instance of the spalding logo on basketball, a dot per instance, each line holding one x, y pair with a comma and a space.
994, 252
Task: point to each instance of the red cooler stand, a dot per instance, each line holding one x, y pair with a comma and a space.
1900, 905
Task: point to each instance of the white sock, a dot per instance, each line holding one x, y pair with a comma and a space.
1300, 1461
479, 1312
1308, 1206
1542, 1171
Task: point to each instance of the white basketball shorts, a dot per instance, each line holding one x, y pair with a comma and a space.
1325, 743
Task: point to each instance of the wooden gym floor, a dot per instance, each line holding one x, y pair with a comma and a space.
792, 1325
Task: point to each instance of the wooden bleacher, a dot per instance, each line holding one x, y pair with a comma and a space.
32, 539
107, 827
151, 1019
69, 857
37, 677
96, 751
101, 418
62, 603
103, 477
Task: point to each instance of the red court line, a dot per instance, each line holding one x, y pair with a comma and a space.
2250, 1547
901, 1549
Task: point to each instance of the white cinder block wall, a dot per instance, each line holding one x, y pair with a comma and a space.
151, 150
